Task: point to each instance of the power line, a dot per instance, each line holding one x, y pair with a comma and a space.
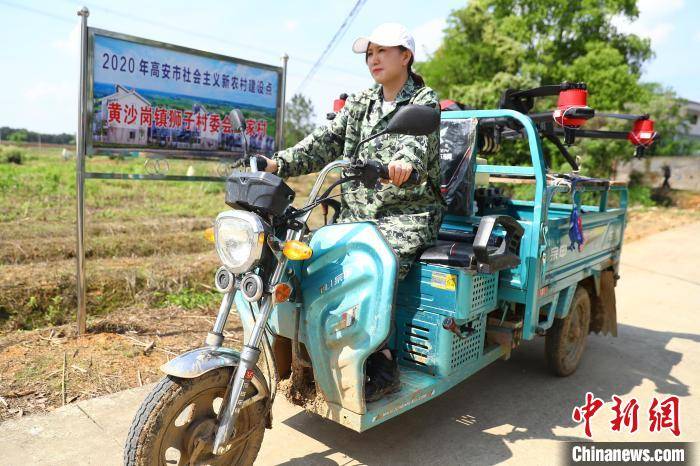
331, 45
175, 28
37, 11
204, 35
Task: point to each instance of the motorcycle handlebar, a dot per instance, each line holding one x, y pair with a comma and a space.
413, 179
367, 172
260, 163
371, 171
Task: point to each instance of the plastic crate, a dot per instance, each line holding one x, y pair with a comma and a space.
448, 291
423, 344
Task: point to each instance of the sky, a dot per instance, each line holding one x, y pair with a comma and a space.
39, 59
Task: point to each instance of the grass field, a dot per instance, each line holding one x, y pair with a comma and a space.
149, 274
144, 239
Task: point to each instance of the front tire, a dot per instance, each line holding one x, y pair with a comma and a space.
176, 423
566, 340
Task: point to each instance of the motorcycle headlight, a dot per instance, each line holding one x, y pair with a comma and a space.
239, 238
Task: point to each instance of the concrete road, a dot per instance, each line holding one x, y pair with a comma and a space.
512, 411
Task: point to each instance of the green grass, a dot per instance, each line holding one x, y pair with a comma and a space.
40, 365
125, 220
43, 188
190, 298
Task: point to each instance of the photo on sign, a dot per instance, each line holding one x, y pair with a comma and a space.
151, 97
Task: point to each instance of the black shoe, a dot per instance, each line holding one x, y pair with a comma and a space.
383, 374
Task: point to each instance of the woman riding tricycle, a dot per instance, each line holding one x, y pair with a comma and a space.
322, 306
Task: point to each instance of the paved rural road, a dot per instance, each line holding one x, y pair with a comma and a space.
512, 411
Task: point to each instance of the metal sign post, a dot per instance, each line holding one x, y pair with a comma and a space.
80, 170
140, 96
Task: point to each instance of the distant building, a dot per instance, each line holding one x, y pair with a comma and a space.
693, 111
206, 138
123, 131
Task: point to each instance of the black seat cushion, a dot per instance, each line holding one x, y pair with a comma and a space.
457, 235
452, 253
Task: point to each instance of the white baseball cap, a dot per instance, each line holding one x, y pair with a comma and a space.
388, 35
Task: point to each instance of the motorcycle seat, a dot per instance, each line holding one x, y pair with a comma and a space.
481, 252
461, 254
451, 253
456, 235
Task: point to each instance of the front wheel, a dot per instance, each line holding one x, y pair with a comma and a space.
176, 424
566, 340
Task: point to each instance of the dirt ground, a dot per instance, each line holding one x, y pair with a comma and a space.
643, 222
46, 368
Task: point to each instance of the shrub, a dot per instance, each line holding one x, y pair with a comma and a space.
12, 155
640, 195
636, 179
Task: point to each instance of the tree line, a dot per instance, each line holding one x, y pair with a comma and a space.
23, 135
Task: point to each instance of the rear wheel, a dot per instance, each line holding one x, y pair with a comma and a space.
566, 340
176, 424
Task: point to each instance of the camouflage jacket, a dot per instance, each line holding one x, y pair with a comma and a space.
362, 116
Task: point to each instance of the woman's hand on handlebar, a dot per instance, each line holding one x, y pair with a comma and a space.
271, 165
399, 171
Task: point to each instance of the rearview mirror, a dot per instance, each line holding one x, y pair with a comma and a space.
414, 120
237, 120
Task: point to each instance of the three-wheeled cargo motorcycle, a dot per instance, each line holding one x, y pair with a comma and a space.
503, 271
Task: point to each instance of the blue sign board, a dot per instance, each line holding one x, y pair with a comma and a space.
152, 96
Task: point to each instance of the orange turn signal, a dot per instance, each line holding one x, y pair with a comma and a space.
281, 292
209, 234
296, 250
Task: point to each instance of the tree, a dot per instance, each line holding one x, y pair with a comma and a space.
18, 136
492, 45
23, 135
298, 122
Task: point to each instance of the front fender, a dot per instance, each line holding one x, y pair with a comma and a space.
202, 360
